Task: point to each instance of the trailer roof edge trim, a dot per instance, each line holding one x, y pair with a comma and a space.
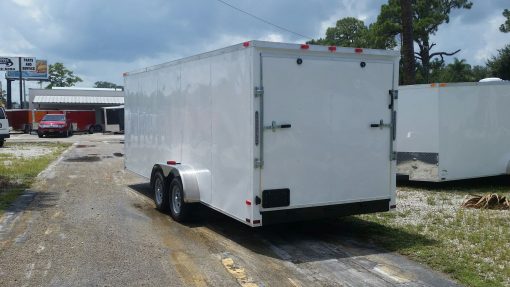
272, 45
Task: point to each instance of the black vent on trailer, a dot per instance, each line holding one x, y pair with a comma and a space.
275, 197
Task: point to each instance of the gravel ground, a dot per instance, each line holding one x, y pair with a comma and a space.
471, 244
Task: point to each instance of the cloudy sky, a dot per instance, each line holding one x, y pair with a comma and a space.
101, 39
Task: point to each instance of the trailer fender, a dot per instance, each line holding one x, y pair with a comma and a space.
187, 175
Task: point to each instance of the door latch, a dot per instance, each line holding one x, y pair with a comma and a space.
380, 125
274, 126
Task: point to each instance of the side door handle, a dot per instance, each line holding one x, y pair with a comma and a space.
274, 126
380, 125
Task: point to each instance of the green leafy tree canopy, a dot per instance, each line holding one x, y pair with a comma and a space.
428, 15
352, 32
108, 85
499, 65
60, 76
505, 27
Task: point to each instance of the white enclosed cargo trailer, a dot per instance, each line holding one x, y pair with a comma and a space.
266, 132
453, 131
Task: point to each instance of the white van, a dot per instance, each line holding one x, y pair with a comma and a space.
4, 127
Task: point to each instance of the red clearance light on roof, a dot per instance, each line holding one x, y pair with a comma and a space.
171, 162
246, 44
248, 202
125, 74
332, 48
358, 50
305, 46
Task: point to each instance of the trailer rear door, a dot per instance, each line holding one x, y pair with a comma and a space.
318, 143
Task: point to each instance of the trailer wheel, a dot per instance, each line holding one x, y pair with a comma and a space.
160, 191
2, 141
98, 128
178, 208
91, 129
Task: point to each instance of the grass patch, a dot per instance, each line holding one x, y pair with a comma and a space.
18, 173
429, 226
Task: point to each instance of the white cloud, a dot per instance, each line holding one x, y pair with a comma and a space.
272, 38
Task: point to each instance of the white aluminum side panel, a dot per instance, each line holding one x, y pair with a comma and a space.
233, 132
196, 121
154, 113
330, 155
418, 119
474, 124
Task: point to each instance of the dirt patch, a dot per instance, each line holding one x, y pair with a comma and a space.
118, 154
84, 146
83, 159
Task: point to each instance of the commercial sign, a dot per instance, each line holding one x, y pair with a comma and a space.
12, 64
40, 73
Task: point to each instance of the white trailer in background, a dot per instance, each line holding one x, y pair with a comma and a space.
266, 132
453, 131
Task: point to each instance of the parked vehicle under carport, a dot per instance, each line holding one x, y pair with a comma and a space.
55, 124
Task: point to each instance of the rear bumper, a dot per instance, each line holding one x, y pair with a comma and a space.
329, 211
51, 130
5, 136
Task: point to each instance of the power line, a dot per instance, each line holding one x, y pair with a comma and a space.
264, 20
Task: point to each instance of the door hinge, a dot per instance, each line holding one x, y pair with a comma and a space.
393, 97
259, 91
393, 155
258, 163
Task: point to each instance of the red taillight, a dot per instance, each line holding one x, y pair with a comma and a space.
358, 50
248, 202
171, 162
246, 44
305, 46
332, 48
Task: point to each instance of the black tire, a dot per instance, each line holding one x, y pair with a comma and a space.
91, 129
40, 135
26, 129
2, 141
179, 210
160, 189
98, 128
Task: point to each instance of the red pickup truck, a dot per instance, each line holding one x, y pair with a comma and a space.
57, 124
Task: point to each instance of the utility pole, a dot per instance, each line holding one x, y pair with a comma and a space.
9, 94
20, 86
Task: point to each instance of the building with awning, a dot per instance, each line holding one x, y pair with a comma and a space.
72, 99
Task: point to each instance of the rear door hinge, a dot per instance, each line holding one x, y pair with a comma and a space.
258, 163
393, 155
393, 97
259, 91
